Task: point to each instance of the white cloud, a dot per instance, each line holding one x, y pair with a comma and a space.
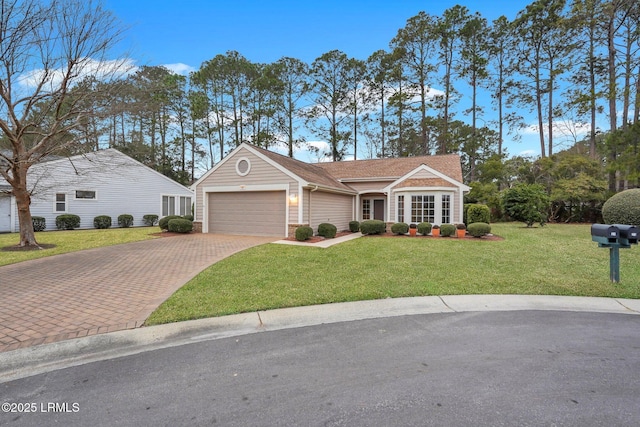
86, 67
179, 68
561, 128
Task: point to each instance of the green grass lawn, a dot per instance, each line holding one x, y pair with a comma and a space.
553, 260
70, 241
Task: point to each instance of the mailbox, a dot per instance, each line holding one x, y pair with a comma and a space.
628, 234
605, 234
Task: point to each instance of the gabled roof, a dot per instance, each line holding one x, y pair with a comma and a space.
392, 168
337, 175
306, 171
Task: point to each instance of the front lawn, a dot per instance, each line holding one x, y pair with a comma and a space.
553, 260
70, 241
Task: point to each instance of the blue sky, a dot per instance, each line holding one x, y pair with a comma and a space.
184, 34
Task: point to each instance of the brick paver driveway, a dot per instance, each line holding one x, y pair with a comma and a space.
104, 289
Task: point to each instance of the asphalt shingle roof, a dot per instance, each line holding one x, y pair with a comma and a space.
334, 174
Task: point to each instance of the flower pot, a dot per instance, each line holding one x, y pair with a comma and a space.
461, 233
435, 232
412, 232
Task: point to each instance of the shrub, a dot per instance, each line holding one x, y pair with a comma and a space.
303, 233
623, 208
327, 230
180, 225
102, 221
164, 222
354, 226
479, 229
67, 222
400, 228
189, 217
528, 203
373, 226
150, 219
461, 226
424, 228
478, 213
39, 223
125, 220
447, 230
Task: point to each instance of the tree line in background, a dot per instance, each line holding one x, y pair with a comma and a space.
454, 83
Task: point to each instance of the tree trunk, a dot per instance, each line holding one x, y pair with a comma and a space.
23, 200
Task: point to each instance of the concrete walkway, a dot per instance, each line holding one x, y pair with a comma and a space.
104, 289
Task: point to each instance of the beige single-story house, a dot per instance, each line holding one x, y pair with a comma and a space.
253, 191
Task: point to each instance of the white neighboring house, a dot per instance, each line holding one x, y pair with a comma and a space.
105, 182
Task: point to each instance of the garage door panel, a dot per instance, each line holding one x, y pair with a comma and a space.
258, 213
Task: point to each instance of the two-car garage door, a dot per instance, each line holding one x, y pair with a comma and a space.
255, 213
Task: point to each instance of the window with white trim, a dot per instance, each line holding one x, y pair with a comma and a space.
168, 205
401, 208
423, 208
366, 209
85, 195
446, 209
61, 202
185, 205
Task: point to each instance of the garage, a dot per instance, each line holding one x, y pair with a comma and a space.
253, 213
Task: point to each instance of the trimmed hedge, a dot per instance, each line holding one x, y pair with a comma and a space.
424, 228
400, 228
354, 226
303, 233
150, 219
447, 230
67, 222
623, 208
125, 220
478, 229
102, 221
164, 222
373, 226
478, 213
39, 223
180, 225
327, 230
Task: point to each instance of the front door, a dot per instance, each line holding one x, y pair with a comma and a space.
378, 209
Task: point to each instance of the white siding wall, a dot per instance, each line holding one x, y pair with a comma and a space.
122, 186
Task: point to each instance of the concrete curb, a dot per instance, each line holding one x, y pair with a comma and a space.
30, 361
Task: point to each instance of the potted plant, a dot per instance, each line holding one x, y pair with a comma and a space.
413, 229
435, 231
461, 230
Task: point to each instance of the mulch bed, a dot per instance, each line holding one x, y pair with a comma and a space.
316, 239
490, 237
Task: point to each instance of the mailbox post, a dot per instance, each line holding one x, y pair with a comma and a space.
614, 237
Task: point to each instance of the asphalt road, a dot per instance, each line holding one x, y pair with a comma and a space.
515, 368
